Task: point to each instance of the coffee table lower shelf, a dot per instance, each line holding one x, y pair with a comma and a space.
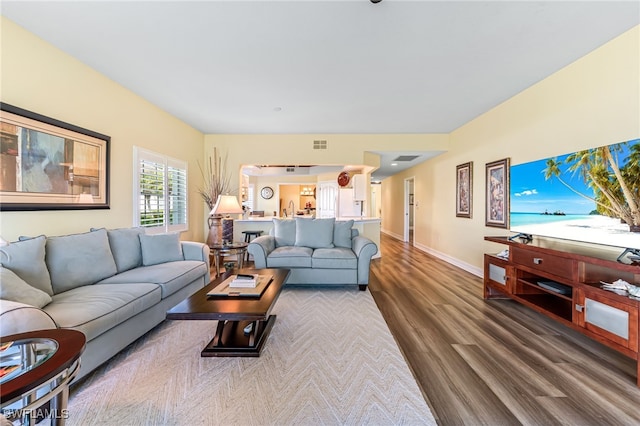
230, 339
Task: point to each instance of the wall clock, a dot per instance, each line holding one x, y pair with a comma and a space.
266, 192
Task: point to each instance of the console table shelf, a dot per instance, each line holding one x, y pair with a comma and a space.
563, 282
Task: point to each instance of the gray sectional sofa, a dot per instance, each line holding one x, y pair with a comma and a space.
318, 251
112, 285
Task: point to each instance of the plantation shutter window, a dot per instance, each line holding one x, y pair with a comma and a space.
160, 192
177, 193
248, 199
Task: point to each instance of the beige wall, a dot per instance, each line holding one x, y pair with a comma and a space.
295, 149
38, 77
343, 149
592, 102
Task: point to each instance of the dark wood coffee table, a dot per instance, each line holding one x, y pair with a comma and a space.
233, 315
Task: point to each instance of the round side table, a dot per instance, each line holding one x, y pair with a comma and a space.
36, 368
218, 251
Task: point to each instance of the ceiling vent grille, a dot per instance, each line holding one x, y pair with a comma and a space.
319, 144
406, 157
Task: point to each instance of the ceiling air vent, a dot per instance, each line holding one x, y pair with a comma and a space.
406, 157
319, 144
290, 169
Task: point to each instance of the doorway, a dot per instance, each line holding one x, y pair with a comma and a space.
408, 210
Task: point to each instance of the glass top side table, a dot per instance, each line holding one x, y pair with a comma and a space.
36, 368
218, 251
20, 356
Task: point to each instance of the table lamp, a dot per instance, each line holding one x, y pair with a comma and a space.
225, 206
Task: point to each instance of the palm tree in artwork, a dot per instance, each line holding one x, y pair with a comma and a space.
616, 188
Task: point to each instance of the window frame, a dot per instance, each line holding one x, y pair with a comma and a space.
167, 163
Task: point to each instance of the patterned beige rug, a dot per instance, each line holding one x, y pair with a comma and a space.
330, 360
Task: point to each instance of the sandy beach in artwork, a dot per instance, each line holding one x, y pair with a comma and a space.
595, 229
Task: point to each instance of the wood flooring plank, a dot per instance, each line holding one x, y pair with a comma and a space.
597, 394
513, 390
495, 362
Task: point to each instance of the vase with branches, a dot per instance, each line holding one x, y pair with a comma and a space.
216, 181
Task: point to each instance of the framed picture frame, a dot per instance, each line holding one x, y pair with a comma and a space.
47, 164
497, 194
464, 190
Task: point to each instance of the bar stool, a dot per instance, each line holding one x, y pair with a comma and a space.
248, 235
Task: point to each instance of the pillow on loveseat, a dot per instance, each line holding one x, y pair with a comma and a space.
26, 260
314, 233
284, 231
79, 259
342, 233
15, 289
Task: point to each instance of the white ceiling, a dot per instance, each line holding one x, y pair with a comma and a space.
322, 67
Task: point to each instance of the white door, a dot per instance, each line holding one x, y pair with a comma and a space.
326, 197
407, 214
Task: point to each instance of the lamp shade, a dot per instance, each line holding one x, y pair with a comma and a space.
226, 204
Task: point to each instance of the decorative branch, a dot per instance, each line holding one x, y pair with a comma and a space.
216, 179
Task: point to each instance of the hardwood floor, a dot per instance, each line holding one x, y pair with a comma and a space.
495, 362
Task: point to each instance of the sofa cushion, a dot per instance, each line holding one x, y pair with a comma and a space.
314, 233
290, 257
160, 248
12, 287
284, 230
125, 247
95, 309
342, 233
27, 260
16, 317
334, 258
170, 276
79, 259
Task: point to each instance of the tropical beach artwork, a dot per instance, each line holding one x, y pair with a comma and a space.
591, 196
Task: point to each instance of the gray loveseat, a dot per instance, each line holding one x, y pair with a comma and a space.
112, 285
318, 251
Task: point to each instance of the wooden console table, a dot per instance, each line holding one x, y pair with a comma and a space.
581, 304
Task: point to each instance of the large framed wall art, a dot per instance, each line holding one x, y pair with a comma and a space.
464, 188
497, 194
46, 164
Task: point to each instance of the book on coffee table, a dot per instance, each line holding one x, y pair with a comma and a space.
224, 289
244, 280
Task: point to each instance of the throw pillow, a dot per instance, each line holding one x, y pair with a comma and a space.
125, 247
342, 233
284, 230
15, 289
26, 260
79, 259
314, 233
160, 248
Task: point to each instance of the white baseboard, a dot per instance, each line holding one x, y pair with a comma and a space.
396, 236
452, 260
479, 272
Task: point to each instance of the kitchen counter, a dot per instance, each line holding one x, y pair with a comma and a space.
252, 219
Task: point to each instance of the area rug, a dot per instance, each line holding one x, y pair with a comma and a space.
330, 360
